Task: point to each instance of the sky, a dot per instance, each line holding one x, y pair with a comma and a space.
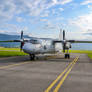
45, 18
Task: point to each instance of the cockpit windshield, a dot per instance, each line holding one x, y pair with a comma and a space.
33, 41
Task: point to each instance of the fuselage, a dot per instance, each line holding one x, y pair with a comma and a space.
40, 46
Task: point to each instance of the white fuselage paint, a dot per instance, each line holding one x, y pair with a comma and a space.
44, 46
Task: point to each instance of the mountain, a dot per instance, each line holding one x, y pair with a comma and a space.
4, 37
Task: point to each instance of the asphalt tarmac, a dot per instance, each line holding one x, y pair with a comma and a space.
50, 73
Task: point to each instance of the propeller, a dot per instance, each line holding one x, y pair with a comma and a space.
22, 41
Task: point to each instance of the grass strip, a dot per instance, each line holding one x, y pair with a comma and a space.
5, 53
17, 49
88, 52
11, 53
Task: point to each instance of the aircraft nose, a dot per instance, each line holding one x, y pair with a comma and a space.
28, 48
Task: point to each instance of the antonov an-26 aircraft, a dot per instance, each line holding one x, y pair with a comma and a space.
45, 45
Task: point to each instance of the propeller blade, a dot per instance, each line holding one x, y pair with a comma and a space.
63, 34
21, 34
63, 47
21, 45
22, 42
60, 34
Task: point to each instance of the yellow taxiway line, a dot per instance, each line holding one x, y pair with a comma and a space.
68, 68
64, 77
12, 65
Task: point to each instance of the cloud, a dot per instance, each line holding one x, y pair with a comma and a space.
89, 32
44, 20
27, 9
7, 9
53, 36
45, 13
20, 19
64, 1
12, 29
83, 25
84, 22
61, 9
31, 7
37, 7
90, 7
51, 26
86, 2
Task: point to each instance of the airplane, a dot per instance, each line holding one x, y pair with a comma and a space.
45, 45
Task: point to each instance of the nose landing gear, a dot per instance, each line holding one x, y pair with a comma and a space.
32, 56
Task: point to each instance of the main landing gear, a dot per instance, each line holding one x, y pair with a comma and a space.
32, 56
67, 55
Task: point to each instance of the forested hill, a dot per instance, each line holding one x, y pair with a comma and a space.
4, 37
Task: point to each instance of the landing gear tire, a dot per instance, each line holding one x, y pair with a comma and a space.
32, 57
67, 56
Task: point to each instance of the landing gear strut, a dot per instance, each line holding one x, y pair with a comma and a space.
67, 55
32, 56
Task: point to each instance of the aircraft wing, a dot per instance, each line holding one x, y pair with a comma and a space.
71, 41
77, 41
11, 41
15, 41
58, 41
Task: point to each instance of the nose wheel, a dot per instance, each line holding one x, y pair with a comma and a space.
32, 56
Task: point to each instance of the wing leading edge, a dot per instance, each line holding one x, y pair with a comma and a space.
77, 41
